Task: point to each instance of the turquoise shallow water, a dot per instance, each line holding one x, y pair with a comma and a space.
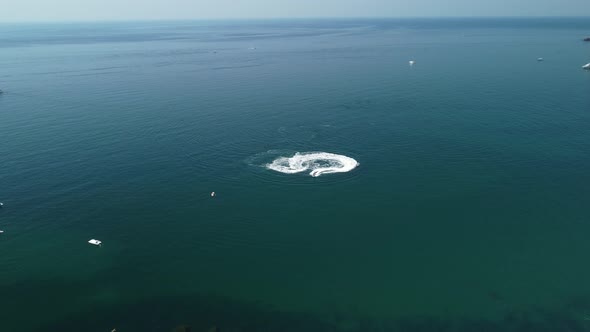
468, 210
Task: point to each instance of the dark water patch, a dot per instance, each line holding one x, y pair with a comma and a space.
204, 312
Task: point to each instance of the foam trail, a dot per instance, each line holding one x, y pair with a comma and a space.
318, 162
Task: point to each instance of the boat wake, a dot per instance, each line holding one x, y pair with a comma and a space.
317, 162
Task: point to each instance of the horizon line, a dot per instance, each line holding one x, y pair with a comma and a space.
242, 19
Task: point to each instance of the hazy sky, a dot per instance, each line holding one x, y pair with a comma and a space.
82, 10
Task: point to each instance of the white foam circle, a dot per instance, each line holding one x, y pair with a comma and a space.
317, 162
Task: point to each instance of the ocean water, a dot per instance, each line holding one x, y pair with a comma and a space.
467, 211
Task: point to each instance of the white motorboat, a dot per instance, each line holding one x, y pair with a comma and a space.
95, 242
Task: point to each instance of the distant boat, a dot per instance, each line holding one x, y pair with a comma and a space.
540, 59
95, 242
586, 66
1, 204
587, 39
1, 232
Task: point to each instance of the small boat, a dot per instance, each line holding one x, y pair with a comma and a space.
586, 66
95, 242
212, 194
1, 204
412, 62
540, 59
587, 39
1, 231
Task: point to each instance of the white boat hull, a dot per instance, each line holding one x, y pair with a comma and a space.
95, 242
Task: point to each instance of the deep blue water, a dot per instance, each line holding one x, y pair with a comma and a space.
468, 210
